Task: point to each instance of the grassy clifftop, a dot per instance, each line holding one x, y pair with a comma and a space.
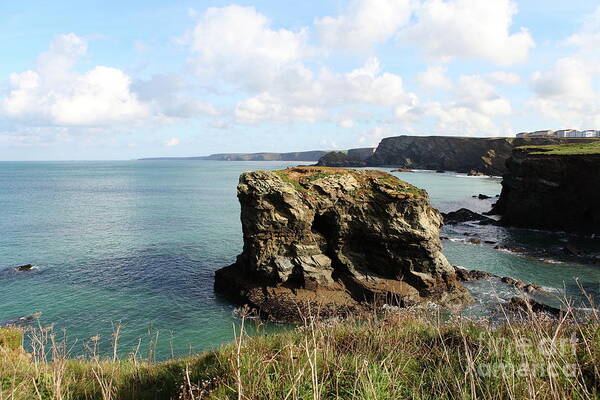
303, 178
400, 355
565, 149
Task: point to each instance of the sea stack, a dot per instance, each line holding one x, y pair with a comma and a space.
330, 241
552, 188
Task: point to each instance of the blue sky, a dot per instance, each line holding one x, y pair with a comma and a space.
122, 80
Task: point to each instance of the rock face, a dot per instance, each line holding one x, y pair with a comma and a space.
550, 191
478, 156
327, 241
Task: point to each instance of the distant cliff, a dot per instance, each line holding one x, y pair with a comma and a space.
449, 153
552, 188
314, 155
349, 158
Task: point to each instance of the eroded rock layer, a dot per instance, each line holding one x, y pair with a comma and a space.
327, 241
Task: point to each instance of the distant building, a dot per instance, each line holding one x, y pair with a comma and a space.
590, 133
567, 133
562, 133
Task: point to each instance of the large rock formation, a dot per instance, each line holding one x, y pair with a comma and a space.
552, 188
326, 241
485, 156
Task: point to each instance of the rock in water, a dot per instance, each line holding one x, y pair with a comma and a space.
465, 215
26, 267
327, 241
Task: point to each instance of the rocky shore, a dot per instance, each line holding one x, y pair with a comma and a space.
332, 241
552, 188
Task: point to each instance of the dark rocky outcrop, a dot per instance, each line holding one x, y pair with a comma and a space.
350, 158
526, 306
477, 156
551, 189
466, 215
26, 267
465, 275
328, 241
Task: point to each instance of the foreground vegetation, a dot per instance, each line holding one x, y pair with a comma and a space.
565, 149
399, 355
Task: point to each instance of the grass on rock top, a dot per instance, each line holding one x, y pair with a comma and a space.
565, 149
301, 178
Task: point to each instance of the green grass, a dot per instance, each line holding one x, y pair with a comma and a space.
285, 177
565, 149
320, 175
396, 356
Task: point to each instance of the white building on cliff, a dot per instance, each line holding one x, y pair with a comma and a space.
563, 133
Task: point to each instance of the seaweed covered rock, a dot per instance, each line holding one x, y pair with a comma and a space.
328, 241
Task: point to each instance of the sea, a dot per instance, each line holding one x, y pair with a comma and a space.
133, 246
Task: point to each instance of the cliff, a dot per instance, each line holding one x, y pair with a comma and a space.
314, 155
552, 188
349, 158
449, 153
327, 240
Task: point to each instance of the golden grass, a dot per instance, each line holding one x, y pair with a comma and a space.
400, 354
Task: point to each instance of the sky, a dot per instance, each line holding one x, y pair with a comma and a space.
109, 80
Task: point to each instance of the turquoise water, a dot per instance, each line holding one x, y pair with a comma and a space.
137, 243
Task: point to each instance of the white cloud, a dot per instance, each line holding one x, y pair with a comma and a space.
570, 77
54, 94
588, 38
310, 98
267, 108
238, 45
434, 78
504, 78
165, 95
373, 136
346, 123
475, 93
172, 142
453, 119
566, 93
472, 110
364, 23
469, 28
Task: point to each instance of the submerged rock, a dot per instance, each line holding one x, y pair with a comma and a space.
466, 275
328, 241
26, 267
